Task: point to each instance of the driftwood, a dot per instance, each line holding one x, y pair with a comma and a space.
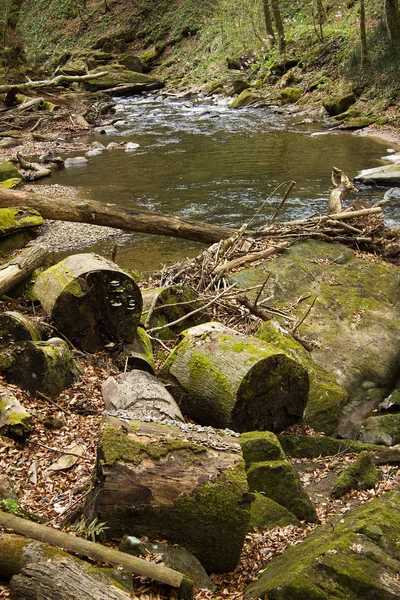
242, 260
35, 85
91, 300
92, 550
109, 215
225, 379
21, 266
342, 187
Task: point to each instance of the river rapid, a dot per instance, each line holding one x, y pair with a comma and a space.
201, 160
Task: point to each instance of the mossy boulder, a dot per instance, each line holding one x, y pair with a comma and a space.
357, 556
326, 398
361, 475
387, 175
354, 322
382, 429
266, 513
117, 74
313, 446
9, 171
161, 482
245, 98
339, 105
15, 421
278, 480
259, 446
11, 184
290, 95
150, 55
16, 219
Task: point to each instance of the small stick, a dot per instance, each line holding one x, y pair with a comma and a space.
64, 410
282, 202
56, 450
297, 325
262, 288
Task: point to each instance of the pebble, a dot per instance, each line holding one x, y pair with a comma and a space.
75, 161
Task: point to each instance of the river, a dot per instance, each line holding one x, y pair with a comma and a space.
201, 160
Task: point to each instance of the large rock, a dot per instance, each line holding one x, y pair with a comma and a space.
9, 171
117, 74
174, 483
354, 322
15, 421
339, 105
356, 557
386, 175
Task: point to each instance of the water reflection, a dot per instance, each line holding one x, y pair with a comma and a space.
204, 161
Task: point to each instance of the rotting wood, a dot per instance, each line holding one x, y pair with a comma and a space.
242, 260
342, 187
109, 215
21, 266
97, 552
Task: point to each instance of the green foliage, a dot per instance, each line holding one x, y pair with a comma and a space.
13, 507
91, 531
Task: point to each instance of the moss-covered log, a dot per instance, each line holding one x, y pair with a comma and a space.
16, 327
172, 483
225, 379
165, 305
138, 354
91, 300
17, 219
39, 367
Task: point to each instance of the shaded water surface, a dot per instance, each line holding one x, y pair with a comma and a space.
205, 161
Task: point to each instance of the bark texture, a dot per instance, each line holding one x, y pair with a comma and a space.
91, 300
21, 266
109, 215
172, 483
225, 379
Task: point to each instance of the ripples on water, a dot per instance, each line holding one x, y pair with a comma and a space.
204, 161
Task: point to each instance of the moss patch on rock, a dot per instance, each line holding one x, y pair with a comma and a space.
9, 171
362, 474
260, 446
266, 513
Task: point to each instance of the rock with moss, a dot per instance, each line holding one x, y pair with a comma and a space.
361, 475
164, 305
91, 301
9, 171
259, 446
245, 98
387, 175
11, 184
172, 483
225, 379
40, 367
354, 322
152, 54
381, 429
17, 219
339, 105
278, 480
326, 398
265, 513
139, 395
15, 421
119, 75
290, 95
313, 446
355, 557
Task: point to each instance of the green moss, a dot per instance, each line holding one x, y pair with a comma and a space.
278, 480
266, 513
290, 95
9, 171
10, 184
307, 446
245, 98
117, 446
199, 365
260, 446
14, 218
362, 474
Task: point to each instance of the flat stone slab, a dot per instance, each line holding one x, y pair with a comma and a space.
386, 175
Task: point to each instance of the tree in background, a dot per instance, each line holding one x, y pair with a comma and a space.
318, 16
392, 15
363, 35
274, 8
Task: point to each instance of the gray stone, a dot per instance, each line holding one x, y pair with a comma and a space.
15, 421
75, 161
382, 429
392, 194
386, 175
94, 152
131, 147
106, 130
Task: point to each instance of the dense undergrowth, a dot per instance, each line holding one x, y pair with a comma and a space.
199, 37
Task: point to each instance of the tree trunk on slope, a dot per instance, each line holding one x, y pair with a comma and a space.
392, 15
268, 23
276, 12
109, 215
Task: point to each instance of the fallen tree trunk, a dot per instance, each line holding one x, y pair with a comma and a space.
21, 266
225, 379
90, 211
35, 85
92, 550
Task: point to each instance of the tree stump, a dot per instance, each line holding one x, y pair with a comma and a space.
224, 379
39, 367
165, 305
141, 396
91, 300
173, 483
138, 354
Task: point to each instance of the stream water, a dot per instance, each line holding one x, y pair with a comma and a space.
204, 161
